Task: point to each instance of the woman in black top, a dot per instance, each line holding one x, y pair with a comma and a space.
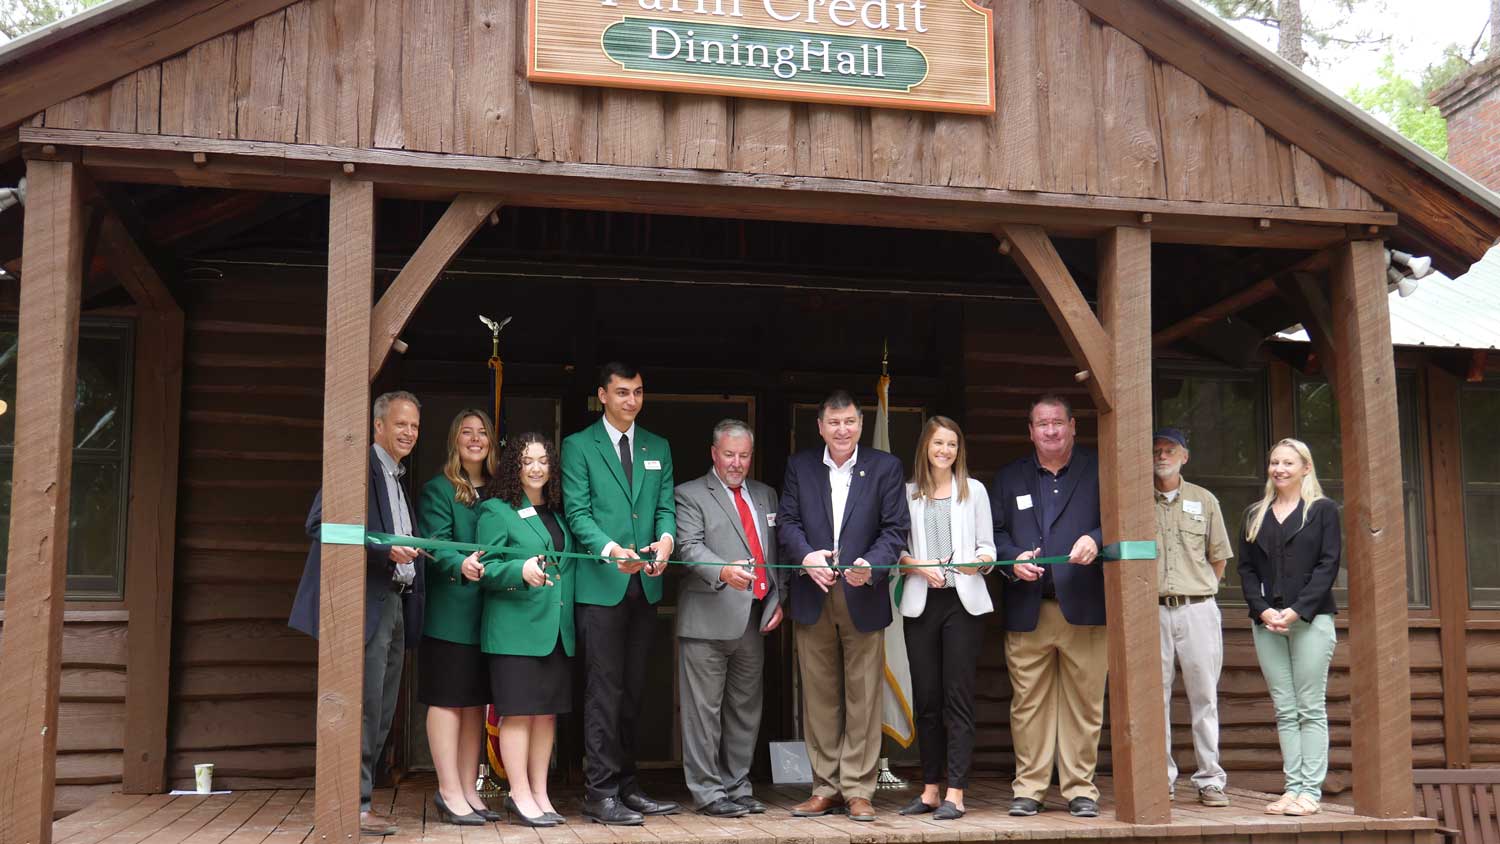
1289, 558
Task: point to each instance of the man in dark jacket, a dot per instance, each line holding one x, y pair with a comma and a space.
844, 518
1047, 505
394, 588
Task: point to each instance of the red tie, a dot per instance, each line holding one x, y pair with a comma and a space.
747, 521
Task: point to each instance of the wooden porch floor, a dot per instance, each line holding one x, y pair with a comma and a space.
285, 817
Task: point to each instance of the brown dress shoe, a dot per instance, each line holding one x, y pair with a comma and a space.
816, 807
860, 809
373, 823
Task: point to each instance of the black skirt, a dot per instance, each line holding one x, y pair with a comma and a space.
451, 675
532, 685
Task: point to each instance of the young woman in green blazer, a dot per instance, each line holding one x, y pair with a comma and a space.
453, 676
527, 622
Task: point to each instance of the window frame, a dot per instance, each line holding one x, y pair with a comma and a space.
1489, 489
96, 588
1412, 439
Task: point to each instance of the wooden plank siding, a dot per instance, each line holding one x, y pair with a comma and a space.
243, 683
1083, 109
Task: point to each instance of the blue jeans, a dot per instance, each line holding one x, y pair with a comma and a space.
1295, 665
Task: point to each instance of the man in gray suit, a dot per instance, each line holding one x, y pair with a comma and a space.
724, 609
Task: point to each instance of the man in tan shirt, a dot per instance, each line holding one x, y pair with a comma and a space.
1193, 547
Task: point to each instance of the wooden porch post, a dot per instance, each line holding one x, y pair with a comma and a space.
1137, 722
1375, 532
36, 572
346, 444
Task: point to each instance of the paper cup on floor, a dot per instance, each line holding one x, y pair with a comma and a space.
203, 775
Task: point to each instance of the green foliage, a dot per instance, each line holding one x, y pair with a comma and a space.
1402, 104
18, 17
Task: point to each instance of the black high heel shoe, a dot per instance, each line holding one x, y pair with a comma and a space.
517, 816
447, 816
489, 815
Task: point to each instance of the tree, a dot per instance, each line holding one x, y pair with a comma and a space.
1295, 27
18, 17
1401, 102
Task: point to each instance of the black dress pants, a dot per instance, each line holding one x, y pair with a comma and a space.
616, 645
942, 645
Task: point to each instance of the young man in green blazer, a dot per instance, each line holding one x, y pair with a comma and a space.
617, 494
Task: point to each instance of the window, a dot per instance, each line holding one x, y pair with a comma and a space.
1317, 424
1224, 414
101, 444
1479, 409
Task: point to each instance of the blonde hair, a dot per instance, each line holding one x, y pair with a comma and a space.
922, 469
1311, 489
453, 468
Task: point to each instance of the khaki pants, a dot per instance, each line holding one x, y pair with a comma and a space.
1057, 673
841, 670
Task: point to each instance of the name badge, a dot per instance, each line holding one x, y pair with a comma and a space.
528, 513
1023, 502
653, 465
770, 520
1192, 508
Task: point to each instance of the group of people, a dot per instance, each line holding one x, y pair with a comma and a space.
588, 535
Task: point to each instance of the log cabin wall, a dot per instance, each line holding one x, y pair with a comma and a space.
1082, 109
243, 683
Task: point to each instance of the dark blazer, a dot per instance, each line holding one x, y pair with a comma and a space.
1080, 589
1312, 551
875, 525
378, 568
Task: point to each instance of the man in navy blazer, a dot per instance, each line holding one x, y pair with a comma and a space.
395, 588
844, 517
1047, 505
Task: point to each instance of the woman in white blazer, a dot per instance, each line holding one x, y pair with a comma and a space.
943, 609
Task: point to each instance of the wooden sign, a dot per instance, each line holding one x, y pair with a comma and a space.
920, 54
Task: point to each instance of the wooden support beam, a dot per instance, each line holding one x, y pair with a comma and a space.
1450, 559
1311, 304
1033, 252
36, 565
152, 533
1137, 720
1233, 303
346, 447
1374, 543
458, 224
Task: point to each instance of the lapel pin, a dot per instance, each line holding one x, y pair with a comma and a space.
861, 473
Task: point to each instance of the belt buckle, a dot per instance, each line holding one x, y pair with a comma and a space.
1173, 601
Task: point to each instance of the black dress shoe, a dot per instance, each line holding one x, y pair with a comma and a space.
489, 815
1083, 807
646, 806
611, 812
916, 807
724, 808
517, 817
752, 806
447, 816
947, 812
1024, 807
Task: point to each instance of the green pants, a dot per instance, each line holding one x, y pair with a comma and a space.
1295, 665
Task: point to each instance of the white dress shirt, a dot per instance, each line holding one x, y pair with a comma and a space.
614, 437
392, 471
839, 478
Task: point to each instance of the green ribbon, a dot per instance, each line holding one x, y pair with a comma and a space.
336, 534
1130, 550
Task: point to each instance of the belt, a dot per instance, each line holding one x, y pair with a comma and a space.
1183, 600
399, 588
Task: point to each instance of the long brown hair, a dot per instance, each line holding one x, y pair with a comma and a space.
922, 469
505, 484
453, 468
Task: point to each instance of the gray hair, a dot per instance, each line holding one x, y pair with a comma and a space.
383, 402
732, 428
